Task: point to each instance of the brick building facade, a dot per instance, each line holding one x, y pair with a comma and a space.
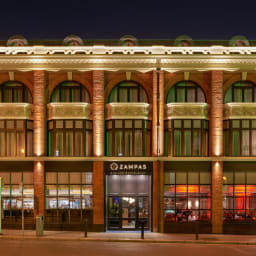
118, 132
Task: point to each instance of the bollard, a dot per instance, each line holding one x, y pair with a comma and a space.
85, 227
197, 230
142, 229
39, 225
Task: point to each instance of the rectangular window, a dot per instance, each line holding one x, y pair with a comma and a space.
186, 199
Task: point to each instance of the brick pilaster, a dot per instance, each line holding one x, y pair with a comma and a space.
98, 196
157, 195
161, 114
39, 139
98, 113
216, 148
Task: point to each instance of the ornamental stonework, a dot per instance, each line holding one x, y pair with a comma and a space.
186, 110
16, 111
69, 111
239, 111
128, 111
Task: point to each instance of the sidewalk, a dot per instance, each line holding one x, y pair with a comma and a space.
150, 237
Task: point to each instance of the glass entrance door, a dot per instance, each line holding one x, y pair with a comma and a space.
128, 202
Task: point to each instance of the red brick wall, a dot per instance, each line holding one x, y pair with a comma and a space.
98, 113
98, 193
39, 139
216, 148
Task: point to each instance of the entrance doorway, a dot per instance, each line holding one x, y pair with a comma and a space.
128, 201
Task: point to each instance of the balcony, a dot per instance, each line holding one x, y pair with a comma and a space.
128, 111
239, 110
76, 110
186, 111
16, 111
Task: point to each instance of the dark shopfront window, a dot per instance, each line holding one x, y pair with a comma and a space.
18, 189
16, 138
186, 137
68, 196
240, 137
128, 138
70, 138
239, 196
187, 196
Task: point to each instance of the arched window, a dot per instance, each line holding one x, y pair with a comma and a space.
242, 91
70, 91
185, 91
14, 92
128, 92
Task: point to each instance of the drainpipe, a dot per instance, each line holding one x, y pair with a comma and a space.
158, 146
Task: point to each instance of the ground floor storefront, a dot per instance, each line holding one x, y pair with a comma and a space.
166, 196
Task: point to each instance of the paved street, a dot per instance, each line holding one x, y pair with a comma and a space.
72, 248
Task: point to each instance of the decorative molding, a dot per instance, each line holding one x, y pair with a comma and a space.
148, 50
244, 76
69, 111
239, 111
11, 76
16, 111
128, 111
186, 111
186, 76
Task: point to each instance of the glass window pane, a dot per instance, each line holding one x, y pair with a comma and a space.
251, 177
205, 177
248, 94
51, 178
228, 177
237, 94
87, 178
177, 142
181, 178
169, 177
253, 132
193, 178
239, 177
75, 177
63, 178
245, 142
169, 191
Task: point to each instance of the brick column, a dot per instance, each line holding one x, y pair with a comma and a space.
157, 196
98, 113
161, 114
39, 139
216, 148
98, 196
98, 150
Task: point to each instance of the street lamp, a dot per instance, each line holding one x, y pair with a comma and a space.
1, 188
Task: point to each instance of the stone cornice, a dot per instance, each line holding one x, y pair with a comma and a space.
140, 58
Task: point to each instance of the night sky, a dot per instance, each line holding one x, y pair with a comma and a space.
113, 19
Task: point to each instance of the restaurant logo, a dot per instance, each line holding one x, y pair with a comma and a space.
128, 167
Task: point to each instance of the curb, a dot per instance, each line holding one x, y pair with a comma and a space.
124, 240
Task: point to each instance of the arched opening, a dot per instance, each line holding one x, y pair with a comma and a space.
128, 91
70, 91
242, 91
185, 91
15, 92
185, 136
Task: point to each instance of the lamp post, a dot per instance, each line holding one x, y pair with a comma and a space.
1, 188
